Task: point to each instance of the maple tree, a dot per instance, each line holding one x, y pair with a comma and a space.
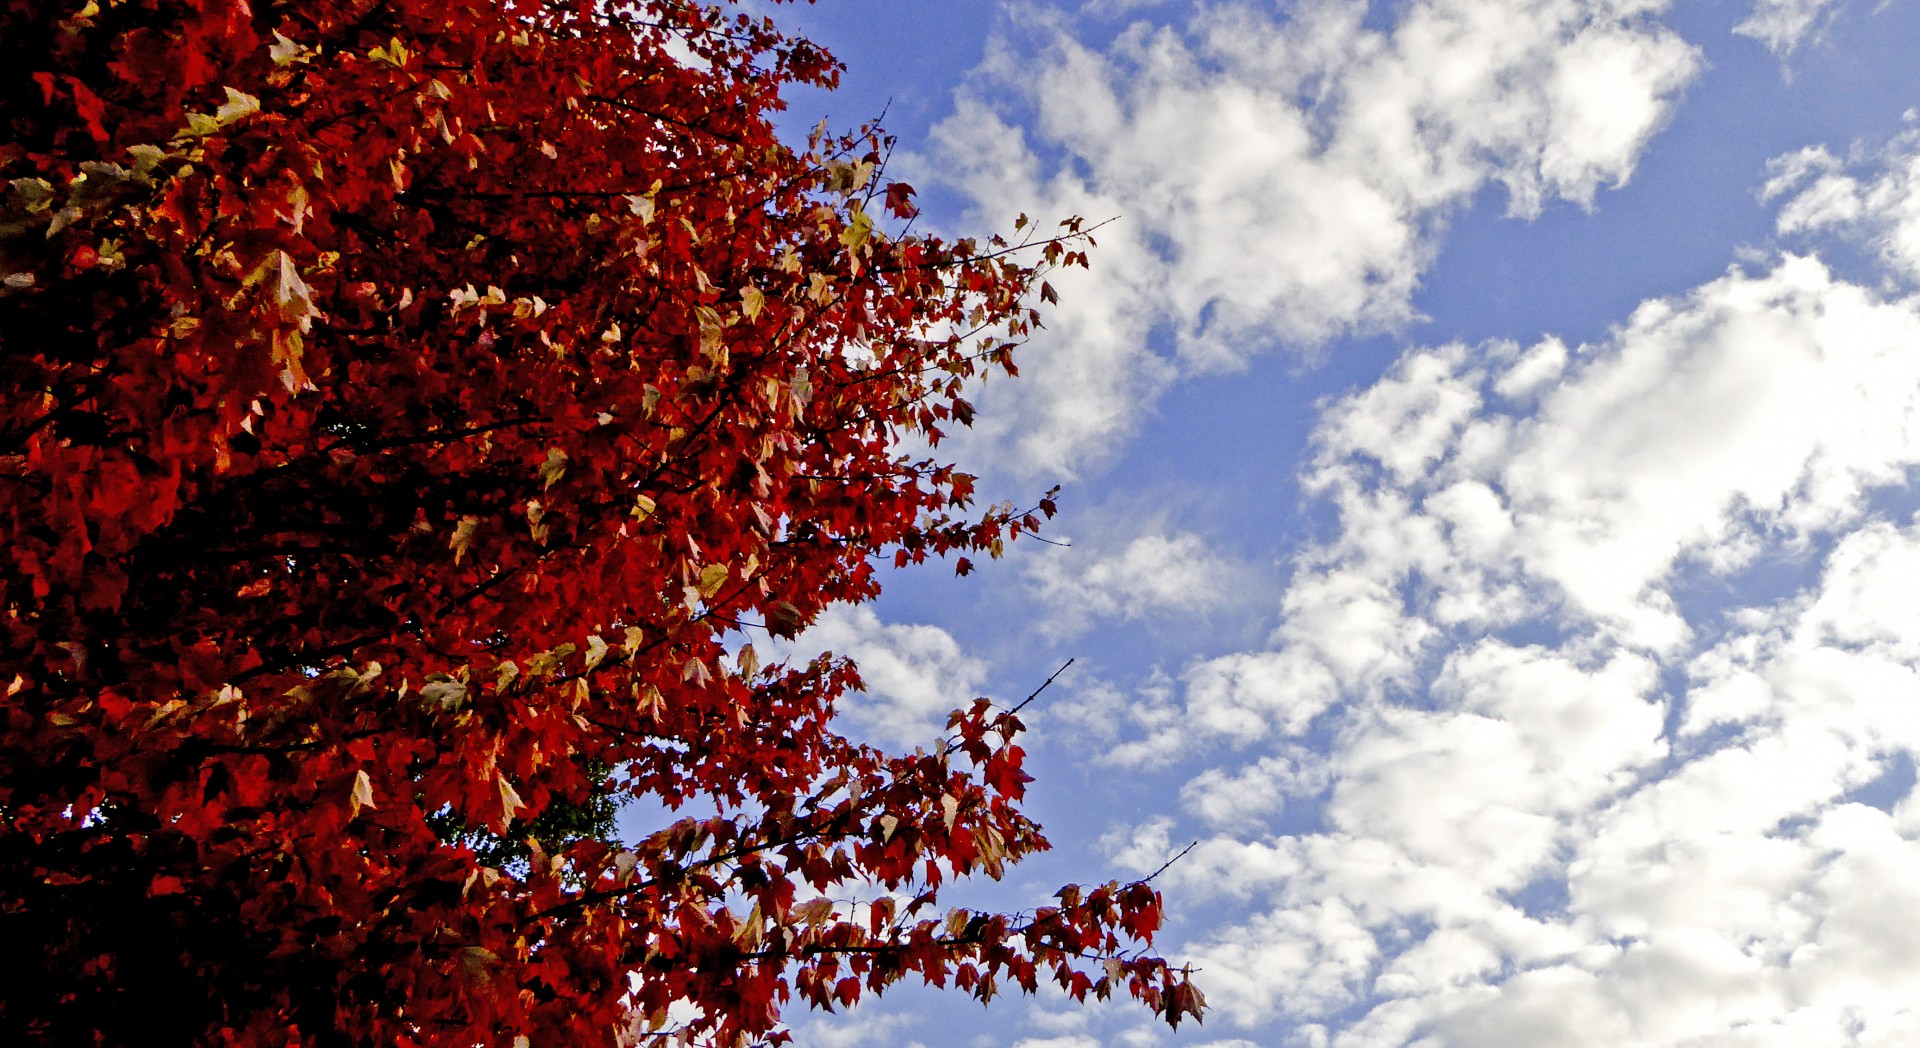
412, 411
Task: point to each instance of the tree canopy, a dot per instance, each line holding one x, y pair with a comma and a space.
413, 413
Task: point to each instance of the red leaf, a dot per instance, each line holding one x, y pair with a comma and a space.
421, 402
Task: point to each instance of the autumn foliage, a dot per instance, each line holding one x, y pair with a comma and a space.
414, 410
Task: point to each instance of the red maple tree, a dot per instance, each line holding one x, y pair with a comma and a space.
407, 409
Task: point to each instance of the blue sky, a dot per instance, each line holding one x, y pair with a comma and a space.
1487, 435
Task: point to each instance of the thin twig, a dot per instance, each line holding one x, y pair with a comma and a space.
1041, 688
1163, 866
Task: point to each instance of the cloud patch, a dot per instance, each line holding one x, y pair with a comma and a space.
1559, 803
915, 675
1153, 575
1783, 25
1873, 200
1281, 179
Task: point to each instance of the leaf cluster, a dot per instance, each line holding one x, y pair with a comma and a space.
410, 412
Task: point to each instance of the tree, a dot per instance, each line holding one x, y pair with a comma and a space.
410, 406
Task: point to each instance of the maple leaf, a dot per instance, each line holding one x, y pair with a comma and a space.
365, 372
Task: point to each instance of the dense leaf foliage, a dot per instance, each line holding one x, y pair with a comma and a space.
413, 409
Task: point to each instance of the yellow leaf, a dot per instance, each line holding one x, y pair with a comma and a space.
553, 468
747, 936
859, 230
394, 54
546, 662
284, 50
37, 193
510, 804
237, 105
445, 692
712, 328
362, 796
463, 536
814, 912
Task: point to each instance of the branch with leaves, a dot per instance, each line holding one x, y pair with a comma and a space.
413, 407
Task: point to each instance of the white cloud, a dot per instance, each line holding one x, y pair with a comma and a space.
1783, 25
1757, 406
1143, 847
1135, 727
1882, 209
867, 1029
857, 1029
1152, 575
915, 675
1249, 694
1756, 410
1562, 805
1253, 794
1281, 179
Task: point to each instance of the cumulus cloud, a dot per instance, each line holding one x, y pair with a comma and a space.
1874, 200
1759, 406
1280, 178
1150, 576
915, 675
1255, 793
1235, 699
1558, 803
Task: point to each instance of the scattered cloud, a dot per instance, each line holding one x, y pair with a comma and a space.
1134, 727
1253, 794
1783, 25
1558, 803
1759, 407
862, 1029
1280, 179
1874, 201
1152, 575
915, 675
